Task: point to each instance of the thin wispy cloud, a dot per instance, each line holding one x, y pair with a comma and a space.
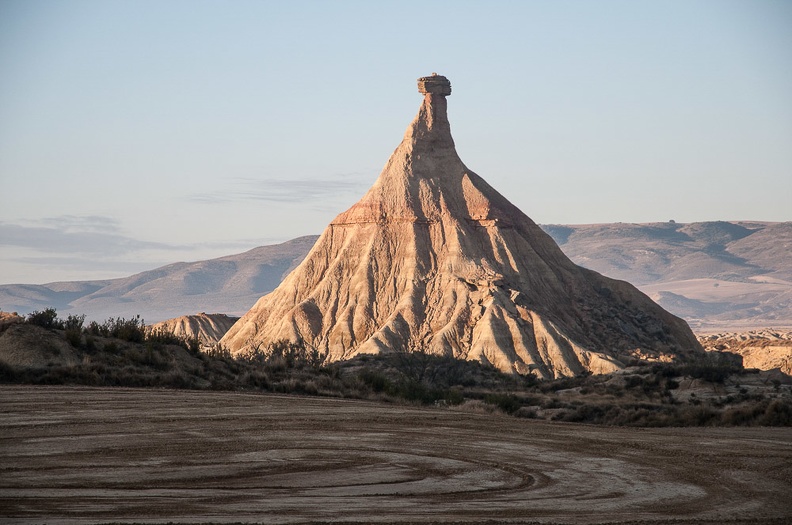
80, 223
93, 247
285, 190
71, 234
87, 264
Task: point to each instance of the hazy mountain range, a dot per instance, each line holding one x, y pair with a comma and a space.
717, 275
228, 284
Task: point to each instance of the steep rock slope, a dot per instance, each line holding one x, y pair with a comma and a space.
434, 259
207, 328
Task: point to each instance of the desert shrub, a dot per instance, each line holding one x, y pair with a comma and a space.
150, 355
477, 406
615, 390
714, 367
47, 318
375, 379
132, 330
218, 351
177, 379
412, 390
193, 345
506, 402
552, 403
97, 329
742, 416
7, 373
453, 396
777, 413
699, 415
255, 379
283, 355
74, 337
165, 337
565, 383
585, 413
648, 384
74, 322
526, 413
73, 327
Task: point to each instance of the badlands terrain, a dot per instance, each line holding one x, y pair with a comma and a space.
79, 455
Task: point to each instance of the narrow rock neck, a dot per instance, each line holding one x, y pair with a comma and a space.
436, 107
431, 126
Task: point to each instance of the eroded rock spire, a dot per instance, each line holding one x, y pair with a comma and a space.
433, 259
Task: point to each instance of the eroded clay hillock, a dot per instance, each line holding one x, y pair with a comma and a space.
766, 349
434, 259
207, 328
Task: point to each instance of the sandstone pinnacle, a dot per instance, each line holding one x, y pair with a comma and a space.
433, 259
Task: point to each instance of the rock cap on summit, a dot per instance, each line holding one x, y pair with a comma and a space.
434, 85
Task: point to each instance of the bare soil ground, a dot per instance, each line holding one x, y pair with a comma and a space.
93, 455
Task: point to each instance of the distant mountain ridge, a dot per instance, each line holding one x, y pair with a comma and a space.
717, 275
230, 284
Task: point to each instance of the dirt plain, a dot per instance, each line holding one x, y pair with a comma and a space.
98, 455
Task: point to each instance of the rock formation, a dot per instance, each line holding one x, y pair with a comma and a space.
207, 328
434, 259
766, 349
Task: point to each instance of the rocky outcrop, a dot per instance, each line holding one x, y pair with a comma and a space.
9, 318
207, 328
433, 259
24, 345
766, 349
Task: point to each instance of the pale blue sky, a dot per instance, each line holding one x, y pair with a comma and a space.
139, 133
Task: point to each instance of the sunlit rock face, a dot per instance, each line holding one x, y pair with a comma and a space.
208, 329
433, 259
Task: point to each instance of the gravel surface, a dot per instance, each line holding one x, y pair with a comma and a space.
95, 455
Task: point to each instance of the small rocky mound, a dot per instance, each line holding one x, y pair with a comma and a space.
207, 328
9, 318
24, 345
766, 349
